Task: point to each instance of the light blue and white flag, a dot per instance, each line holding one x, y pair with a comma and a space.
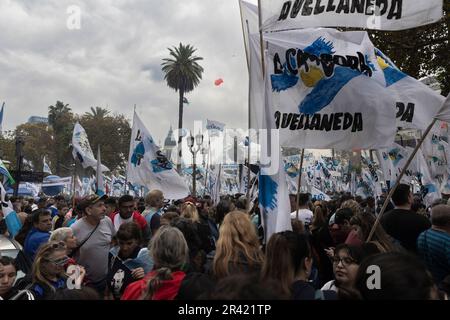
214, 128
46, 168
273, 190
12, 220
82, 149
149, 167
5, 173
336, 90
316, 194
431, 190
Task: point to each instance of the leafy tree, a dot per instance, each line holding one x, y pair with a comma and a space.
183, 74
7, 148
112, 133
39, 142
61, 119
421, 51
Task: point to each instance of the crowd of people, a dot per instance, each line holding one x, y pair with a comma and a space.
130, 248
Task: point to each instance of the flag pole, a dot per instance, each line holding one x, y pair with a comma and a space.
243, 34
405, 167
299, 183
249, 121
261, 39
126, 175
208, 163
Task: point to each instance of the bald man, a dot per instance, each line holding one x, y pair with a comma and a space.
434, 244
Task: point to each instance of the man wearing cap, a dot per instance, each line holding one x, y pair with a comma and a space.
94, 234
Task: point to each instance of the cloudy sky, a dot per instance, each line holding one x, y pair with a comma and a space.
114, 59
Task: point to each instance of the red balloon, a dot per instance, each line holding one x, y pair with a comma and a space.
218, 82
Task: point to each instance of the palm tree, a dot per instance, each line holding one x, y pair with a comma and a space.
60, 117
183, 74
97, 113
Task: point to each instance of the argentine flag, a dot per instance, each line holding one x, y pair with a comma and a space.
12, 220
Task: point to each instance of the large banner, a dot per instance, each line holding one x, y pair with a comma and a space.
368, 14
149, 167
330, 86
327, 90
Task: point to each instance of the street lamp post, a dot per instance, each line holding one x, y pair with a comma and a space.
20, 141
198, 140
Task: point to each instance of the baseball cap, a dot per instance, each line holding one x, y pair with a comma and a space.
90, 200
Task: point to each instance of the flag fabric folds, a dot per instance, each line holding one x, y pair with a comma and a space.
46, 167
335, 89
149, 167
273, 193
5, 173
100, 182
444, 112
214, 127
12, 220
82, 149
280, 15
325, 90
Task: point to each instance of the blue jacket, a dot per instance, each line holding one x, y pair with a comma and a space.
33, 240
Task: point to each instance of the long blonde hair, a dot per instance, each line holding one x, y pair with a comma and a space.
43, 254
237, 238
189, 211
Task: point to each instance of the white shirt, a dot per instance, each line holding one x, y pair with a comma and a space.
304, 215
329, 286
118, 221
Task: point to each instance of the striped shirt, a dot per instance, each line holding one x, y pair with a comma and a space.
434, 250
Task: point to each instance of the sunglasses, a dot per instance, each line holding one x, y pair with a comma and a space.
59, 262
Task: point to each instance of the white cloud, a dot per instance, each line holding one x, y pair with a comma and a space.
114, 60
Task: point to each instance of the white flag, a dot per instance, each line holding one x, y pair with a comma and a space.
82, 149
274, 201
325, 90
245, 183
214, 127
370, 14
431, 189
99, 179
214, 182
250, 23
149, 167
273, 191
46, 168
316, 194
444, 112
